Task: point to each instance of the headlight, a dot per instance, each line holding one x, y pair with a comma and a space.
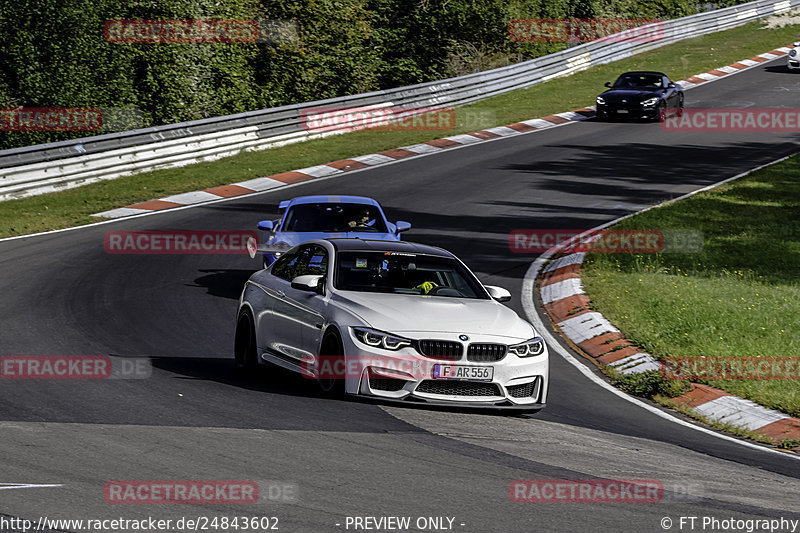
792, 52
530, 348
650, 101
380, 339
601, 100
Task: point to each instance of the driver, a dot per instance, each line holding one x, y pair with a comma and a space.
362, 220
426, 286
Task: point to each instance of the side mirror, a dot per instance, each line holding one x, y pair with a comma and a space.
402, 226
498, 293
671, 85
308, 282
608, 84
266, 225
796, 44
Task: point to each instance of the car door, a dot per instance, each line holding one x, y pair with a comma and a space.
272, 332
296, 320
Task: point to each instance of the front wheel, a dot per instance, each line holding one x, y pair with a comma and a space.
245, 350
661, 112
333, 369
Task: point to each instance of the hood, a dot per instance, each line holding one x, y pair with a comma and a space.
631, 95
407, 313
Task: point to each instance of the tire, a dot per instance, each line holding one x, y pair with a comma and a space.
245, 350
332, 349
661, 112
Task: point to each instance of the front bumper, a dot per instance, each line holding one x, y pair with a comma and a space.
624, 111
407, 376
793, 63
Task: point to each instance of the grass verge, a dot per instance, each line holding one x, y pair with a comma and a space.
739, 296
73, 207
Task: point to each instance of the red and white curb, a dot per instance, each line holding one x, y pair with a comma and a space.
389, 156
568, 306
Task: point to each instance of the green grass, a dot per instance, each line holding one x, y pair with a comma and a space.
74, 207
739, 297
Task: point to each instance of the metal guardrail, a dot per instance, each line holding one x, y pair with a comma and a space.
55, 166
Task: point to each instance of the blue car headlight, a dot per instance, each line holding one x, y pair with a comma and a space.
380, 339
530, 348
650, 101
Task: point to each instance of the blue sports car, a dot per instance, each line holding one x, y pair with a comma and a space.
320, 217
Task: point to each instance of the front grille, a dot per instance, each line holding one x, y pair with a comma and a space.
486, 352
458, 388
386, 384
522, 391
448, 350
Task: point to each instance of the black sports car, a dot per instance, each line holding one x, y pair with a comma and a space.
640, 94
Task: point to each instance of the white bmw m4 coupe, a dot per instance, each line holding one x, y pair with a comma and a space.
392, 320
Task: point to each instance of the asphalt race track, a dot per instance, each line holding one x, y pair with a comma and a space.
195, 418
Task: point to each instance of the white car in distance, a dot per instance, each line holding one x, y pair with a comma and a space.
793, 58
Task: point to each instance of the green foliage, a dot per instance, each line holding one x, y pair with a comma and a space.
54, 53
649, 384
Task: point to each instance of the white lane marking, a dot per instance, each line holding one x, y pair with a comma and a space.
465, 139
562, 289
421, 148
538, 123
636, 363
529, 285
503, 131
121, 212
740, 412
260, 184
572, 115
586, 326
319, 171
706, 76
194, 197
373, 159
12, 486
567, 260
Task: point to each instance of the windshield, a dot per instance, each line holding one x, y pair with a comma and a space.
641, 82
334, 218
401, 273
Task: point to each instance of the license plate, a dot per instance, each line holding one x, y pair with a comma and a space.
623, 111
462, 372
